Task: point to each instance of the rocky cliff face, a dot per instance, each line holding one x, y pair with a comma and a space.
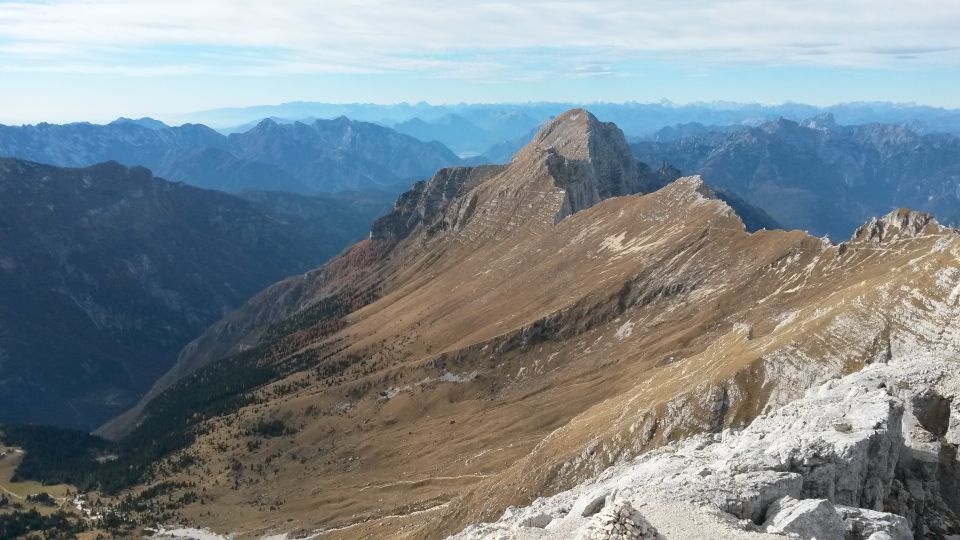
591, 161
900, 224
425, 203
106, 272
512, 334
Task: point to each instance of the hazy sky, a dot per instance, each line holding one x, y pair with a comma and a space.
95, 60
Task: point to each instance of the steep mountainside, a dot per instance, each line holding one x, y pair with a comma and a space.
106, 272
510, 331
216, 168
822, 177
324, 156
340, 154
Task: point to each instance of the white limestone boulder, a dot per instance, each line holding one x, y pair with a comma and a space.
804, 518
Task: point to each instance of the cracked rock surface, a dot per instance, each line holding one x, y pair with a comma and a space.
620, 521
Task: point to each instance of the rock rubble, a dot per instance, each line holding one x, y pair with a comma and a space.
620, 521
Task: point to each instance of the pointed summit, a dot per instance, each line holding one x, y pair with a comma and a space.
590, 160
569, 134
577, 134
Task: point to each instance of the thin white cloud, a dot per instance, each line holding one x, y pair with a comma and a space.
500, 38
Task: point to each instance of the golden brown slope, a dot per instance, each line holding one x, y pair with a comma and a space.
573, 163
510, 354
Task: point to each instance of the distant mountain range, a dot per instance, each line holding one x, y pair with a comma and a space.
476, 139
511, 120
107, 271
817, 175
323, 156
492, 133
471, 138
455, 131
681, 131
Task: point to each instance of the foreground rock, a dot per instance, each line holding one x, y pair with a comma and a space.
870, 455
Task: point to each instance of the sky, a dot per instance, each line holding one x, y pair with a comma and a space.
95, 60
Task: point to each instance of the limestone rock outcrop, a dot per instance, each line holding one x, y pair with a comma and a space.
872, 525
899, 224
426, 201
591, 161
833, 464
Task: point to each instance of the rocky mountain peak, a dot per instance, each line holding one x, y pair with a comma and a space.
683, 196
590, 160
578, 135
267, 125
569, 134
900, 224
574, 162
146, 122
